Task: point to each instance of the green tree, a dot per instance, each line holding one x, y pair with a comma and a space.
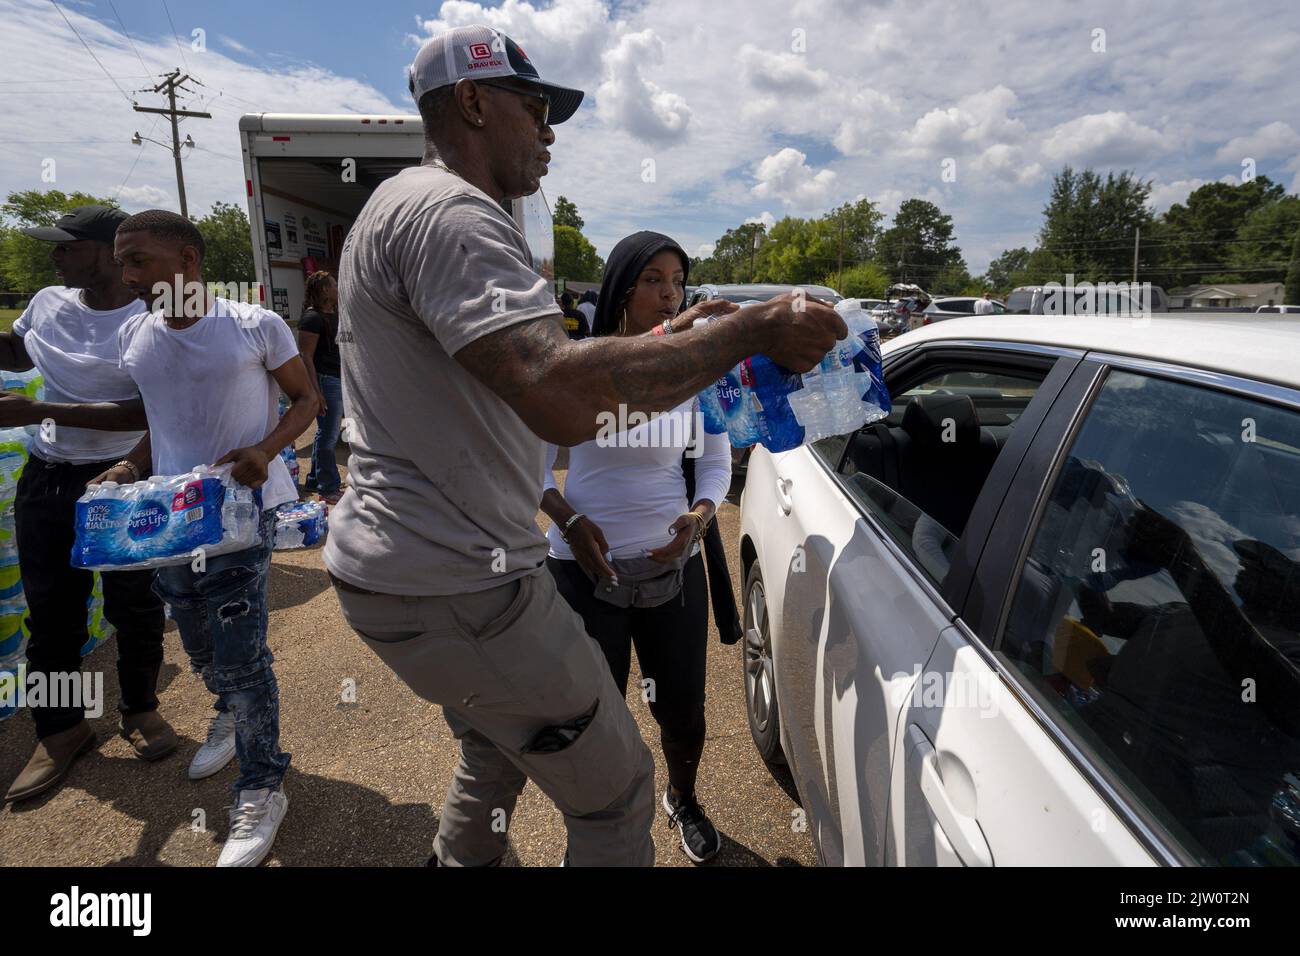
866, 280
566, 214
1195, 238
24, 261
919, 244
952, 279
1291, 293
1262, 248
999, 275
1089, 223
228, 244
732, 255
575, 257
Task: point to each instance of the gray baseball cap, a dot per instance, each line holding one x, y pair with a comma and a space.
479, 52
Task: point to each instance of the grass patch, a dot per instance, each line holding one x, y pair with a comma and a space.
8, 317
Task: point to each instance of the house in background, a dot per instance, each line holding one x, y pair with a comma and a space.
1246, 297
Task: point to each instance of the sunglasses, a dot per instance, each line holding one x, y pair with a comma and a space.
526, 94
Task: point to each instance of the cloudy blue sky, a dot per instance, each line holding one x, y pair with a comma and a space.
748, 108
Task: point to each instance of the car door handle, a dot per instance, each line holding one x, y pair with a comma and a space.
783, 499
962, 831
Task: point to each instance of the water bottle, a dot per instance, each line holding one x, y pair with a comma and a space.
762, 402
728, 404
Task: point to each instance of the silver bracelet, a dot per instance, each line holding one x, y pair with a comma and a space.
574, 519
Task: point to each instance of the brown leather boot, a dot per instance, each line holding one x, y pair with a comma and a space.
151, 737
50, 763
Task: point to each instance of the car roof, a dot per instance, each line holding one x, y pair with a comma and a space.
761, 287
1266, 350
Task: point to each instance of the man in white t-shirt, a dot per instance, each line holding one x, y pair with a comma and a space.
210, 372
984, 305
68, 333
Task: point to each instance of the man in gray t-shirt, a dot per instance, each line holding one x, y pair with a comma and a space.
456, 369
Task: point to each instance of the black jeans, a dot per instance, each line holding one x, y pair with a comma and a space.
56, 592
672, 648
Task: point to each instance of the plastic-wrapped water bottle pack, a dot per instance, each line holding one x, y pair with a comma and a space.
760, 402
300, 524
165, 520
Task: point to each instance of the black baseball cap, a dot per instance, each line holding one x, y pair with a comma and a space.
480, 52
97, 223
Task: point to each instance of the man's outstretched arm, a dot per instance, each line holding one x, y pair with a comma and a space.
559, 387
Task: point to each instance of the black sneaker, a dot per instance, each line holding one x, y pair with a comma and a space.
699, 838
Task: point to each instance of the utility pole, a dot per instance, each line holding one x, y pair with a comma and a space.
1137, 237
170, 85
753, 244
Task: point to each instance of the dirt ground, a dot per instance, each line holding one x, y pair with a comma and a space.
367, 779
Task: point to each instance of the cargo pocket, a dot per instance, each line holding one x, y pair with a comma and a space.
596, 768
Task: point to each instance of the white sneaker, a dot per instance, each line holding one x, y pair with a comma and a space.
254, 822
217, 749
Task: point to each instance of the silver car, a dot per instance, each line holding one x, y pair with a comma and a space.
1047, 612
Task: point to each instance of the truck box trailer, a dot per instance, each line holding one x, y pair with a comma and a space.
307, 177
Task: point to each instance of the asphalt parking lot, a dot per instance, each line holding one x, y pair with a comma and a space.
368, 778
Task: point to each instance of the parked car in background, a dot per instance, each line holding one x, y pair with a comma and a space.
1011, 624
1283, 309
1031, 300
758, 292
908, 302
954, 307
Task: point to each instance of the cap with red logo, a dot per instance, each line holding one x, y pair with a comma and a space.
480, 52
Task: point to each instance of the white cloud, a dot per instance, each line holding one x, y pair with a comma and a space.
1276, 140
234, 45
766, 218
975, 121
786, 176
704, 250
784, 73
1109, 138
1164, 195
135, 198
627, 99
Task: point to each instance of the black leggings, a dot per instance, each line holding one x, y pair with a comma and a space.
671, 647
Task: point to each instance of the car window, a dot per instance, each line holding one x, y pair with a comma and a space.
998, 308
1158, 610
920, 470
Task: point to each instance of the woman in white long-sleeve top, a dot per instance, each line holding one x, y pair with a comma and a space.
624, 540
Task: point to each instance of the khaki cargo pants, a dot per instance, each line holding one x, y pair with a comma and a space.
506, 664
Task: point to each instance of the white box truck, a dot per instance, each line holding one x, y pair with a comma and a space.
307, 177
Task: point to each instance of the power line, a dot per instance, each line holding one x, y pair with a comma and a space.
128, 36
175, 37
90, 51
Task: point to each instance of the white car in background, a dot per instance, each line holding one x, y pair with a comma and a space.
1048, 612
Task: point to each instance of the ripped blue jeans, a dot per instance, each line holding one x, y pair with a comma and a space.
221, 613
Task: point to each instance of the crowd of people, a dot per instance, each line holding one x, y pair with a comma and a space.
461, 377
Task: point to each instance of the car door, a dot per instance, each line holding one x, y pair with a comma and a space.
1095, 704
851, 626
857, 605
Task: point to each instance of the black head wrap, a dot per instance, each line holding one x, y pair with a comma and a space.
621, 270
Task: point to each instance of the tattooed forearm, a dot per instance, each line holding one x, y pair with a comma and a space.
559, 387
